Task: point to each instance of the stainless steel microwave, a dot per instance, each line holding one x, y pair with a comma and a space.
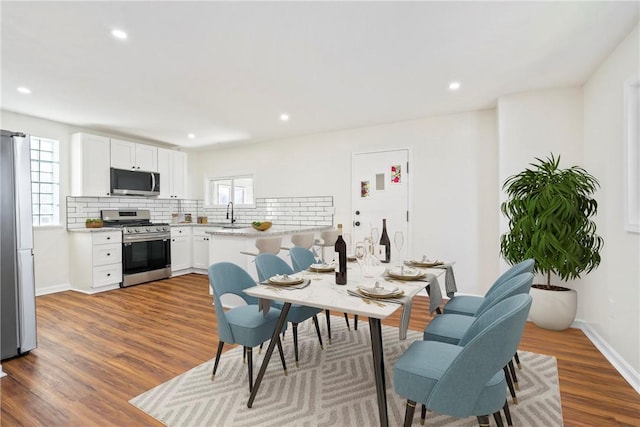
134, 183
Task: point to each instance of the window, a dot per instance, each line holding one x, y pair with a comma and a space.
45, 181
236, 189
632, 111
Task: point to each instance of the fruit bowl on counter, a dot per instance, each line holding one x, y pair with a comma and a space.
261, 225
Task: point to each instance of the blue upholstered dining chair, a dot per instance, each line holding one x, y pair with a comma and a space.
268, 265
451, 328
244, 324
468, 304
301, 259
464, 380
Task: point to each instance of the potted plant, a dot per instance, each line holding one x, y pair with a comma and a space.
549, 211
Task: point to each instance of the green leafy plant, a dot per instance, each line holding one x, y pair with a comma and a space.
549, 211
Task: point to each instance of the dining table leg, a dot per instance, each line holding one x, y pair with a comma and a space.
267, 356
375, 330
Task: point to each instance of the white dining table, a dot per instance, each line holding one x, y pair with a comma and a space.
322, 292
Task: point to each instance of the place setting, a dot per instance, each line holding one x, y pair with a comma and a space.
286, 282
377, 294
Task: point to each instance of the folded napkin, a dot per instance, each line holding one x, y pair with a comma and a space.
434, 292
405, 301
264, 305
449, 279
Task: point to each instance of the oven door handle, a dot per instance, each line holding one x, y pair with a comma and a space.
127, 241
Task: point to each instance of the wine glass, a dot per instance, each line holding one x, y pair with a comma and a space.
398, 241
375, 236
359, 253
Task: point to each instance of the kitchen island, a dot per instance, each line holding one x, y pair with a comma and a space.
227, 244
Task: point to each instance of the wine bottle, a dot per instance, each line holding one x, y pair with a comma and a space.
385, 242
341, 258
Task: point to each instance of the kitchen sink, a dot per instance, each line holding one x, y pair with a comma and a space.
228, 225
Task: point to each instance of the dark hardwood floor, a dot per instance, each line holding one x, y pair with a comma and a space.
95, 352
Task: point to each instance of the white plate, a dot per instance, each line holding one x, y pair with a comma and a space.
322, 267
285, 280
425, 263
380, 292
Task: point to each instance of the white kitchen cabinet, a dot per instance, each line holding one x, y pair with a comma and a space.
90, 165
200, 246
96, 264
130, 155
180, 250
172, 166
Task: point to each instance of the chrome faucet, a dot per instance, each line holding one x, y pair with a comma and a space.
232, 218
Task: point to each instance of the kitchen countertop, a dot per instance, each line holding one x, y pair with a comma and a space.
274, 231
94, 230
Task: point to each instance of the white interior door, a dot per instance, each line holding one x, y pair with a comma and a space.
380, 190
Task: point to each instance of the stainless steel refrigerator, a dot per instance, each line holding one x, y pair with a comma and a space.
17, 297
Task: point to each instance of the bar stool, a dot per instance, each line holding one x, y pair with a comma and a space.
269, 245
327, 239
304, 240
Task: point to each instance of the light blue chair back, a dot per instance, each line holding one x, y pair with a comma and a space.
228, 278
525, 266
268, 265
301, 258
520, 284
459, 390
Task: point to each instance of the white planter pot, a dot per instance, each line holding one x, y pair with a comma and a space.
553, 310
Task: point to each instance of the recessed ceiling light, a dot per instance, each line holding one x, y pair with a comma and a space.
119, 34
284, 117
454, 85
24, 90
191, 136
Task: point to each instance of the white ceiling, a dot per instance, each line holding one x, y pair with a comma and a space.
225, 71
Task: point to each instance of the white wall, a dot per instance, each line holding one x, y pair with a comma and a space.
453, 173
617, 281
533, 125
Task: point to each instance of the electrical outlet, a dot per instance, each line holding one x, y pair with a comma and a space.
612, 309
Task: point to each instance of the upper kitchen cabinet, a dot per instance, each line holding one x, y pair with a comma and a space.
172, 166
129, 155
90, 165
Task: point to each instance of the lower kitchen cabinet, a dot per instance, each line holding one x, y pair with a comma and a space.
200, 254
96, 261
180, 250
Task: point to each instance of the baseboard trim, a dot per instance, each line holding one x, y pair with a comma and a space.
53, 289
621, 365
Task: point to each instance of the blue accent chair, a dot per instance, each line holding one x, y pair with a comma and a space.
268, 265
451, 328
245, 324
464, 380
301, 259
468, 304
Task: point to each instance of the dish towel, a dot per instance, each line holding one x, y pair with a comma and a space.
449, 279
404, 301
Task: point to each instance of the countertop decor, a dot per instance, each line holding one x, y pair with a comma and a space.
261, 225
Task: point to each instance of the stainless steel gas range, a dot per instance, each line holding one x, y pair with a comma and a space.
146, 247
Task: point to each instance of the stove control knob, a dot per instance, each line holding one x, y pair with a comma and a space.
137, 230
159, 228
148, 229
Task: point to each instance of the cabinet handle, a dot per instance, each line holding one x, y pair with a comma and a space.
108, 274
108, 254
108, 238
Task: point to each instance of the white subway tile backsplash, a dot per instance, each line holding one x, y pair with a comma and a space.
313, 210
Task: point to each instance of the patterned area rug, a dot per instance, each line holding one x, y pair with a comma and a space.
332, 387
